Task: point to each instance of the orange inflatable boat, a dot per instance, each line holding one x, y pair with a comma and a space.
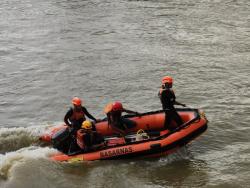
149, 138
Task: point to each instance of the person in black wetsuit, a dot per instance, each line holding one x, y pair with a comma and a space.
168, 100
76, 115
74, 119
115, 119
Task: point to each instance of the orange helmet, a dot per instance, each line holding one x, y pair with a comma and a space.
108, 108
167, 80
117, 106
76, 101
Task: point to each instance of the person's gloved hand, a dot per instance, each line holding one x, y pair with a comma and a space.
71, 130
69, 125
138, 114
98, 120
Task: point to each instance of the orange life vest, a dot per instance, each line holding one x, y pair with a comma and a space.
79, 138
77, 115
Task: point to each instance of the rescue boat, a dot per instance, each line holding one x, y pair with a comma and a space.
149, 138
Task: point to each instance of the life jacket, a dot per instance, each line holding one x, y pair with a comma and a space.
85, 139
77, 115
80, 138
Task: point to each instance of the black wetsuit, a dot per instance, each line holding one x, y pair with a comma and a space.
74, 121
92, 138
115, 119
167, 98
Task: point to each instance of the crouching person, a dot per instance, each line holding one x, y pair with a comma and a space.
88, 139
114, 115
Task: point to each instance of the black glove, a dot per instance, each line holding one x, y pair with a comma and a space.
138, 114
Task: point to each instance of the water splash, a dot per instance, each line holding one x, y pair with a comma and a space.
14, 138
9, 160
181, 154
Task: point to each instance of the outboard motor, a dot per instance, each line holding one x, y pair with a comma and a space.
61, 140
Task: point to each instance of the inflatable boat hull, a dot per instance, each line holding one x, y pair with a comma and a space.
167, 142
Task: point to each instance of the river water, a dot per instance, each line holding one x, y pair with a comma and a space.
106, 50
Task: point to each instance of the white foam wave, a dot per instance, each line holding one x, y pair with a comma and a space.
15, 138
9, 160
36, 130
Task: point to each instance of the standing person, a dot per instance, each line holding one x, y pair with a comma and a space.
168, 100
76, 115
114, 114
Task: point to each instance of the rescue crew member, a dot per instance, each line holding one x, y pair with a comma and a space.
168, 100
76, 115
91, 139
114, 114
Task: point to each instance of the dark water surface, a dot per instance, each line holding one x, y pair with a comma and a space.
104, 50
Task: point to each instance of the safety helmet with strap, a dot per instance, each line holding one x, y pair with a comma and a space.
76, 101
117, 106
87, 125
